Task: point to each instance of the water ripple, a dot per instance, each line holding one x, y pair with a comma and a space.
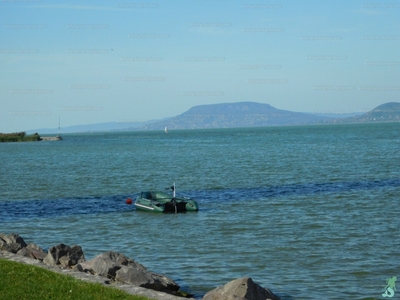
18, 210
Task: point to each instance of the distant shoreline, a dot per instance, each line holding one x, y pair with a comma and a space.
22, 137
236, 115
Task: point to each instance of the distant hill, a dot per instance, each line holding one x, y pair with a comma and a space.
388, 112
239, 114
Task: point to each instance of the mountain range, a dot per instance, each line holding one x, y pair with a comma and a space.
239, 114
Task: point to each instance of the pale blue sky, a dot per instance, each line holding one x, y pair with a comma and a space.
104, 61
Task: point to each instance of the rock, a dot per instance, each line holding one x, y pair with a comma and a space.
36, 252
24, 252
33, 251
104, 265
13, 238
7, 247
240, 289
145, 279
54, 254
108, 263
76, 255
80, 267
12, 242
64, 256
118, 267
16, 244
64, 262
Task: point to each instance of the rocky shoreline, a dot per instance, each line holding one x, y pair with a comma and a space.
116, 270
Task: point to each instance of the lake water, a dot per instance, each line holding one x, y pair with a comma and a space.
310, 212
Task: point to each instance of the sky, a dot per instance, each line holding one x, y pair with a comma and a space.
85, 62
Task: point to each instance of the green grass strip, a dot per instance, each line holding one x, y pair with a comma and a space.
22, 281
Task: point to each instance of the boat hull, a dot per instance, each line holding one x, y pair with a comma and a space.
164, 203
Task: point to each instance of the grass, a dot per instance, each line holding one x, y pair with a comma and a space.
21, 281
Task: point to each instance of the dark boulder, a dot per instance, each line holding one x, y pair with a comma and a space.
64, 256
240, 289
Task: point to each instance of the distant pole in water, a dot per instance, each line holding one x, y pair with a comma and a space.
58, 125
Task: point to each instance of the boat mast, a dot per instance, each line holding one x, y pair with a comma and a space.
174, 198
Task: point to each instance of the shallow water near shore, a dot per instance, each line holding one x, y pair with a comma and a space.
310, 212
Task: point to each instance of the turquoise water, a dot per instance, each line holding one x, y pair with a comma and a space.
311, 212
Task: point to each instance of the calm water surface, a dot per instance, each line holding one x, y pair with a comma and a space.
310, 212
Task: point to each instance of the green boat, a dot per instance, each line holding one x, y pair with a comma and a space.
157, 201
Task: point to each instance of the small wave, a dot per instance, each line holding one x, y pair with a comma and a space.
31, 209
293, 189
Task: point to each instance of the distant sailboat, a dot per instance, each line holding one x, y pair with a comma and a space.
166, 129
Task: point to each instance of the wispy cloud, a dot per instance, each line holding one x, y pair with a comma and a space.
82, 7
